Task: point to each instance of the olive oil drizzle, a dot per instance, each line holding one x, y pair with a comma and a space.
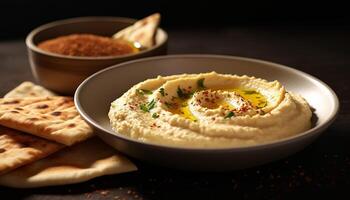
256, 99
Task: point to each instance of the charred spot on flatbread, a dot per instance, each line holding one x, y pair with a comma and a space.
33, 119
11, 102
56, 113
43, 106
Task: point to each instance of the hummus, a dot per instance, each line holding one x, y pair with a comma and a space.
209, 110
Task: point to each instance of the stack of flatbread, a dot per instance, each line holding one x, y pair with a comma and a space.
45, 142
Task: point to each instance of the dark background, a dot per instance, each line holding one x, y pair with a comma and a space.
310, 36
18, 17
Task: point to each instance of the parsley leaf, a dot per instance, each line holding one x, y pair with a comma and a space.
151, 104
148, 107
229, 115
182, 94
161, 91
200, 83
155, 115
144, 108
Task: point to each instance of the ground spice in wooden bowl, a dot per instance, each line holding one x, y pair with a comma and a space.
87, 45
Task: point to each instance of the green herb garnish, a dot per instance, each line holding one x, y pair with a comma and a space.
200, 84
161, 91
155, 115
143, 91
183, 95
148, 107
229, 115
180, 93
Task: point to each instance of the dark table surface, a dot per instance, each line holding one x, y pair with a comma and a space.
320, 170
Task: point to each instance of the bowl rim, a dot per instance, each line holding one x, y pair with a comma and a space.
30, 44
284, 141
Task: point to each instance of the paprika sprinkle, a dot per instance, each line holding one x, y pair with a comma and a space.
87, 45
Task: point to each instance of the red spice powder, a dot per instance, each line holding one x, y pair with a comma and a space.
88, 45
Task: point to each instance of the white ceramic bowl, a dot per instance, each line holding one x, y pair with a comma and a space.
94, 95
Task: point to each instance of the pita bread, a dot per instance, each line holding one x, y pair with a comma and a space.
81, 162
28, 89
54, 118
18, 149
143, 31
62, 167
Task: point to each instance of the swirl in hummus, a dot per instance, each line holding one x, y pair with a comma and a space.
209, 110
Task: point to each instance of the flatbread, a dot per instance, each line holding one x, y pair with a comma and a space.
81, 162
18, 149
143, 31
54, 118
28, 89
